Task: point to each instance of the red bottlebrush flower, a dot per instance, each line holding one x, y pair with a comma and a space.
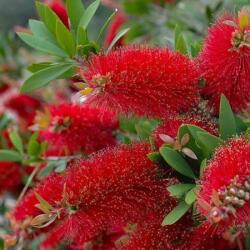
224, 63
10, 176
76, 128
204, 237
113, 30
146, 81
59, 8
105, 204
171, 126
224, 197
24, 106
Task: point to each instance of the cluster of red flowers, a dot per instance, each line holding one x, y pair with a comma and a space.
116, 198
72, 128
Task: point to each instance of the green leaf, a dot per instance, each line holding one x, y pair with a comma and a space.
88, 14
4, 121
10, 155
154, 156
203, 166
119, 35
46, 170
180, 43
65, 39
34, 148
190, 196
43, 77
39, 66
1, 244
178, 190
106, 24
40, 30
82, 37
48, 16
61, 166
16, 141
176, 161
241, 126
176, 214
227, 122
42, 45
75, 10
208, 142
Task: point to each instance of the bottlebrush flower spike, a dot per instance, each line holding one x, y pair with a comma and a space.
224, 61
72, 128
59, 8
104, 203
10, 176
224, 198
167, 131
145, 81
205, 237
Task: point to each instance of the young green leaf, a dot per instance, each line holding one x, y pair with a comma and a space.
88, 14
154, 156
178, 190
227, 122
176, 161
65, 39
208, 142
180, 43
203, 166
35, 67
82, 37
119, 35
10, 155
75, 10
34, 148
40, 30
42, 45
190, 196
61, 166
48, 17
16, 141
43, 77
176, 214
106, 24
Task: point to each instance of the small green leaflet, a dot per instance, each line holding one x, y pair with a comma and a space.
43, 77
42, 44
65, 39
16, 141
176, 161
190, 196
10, 155
208, 142
76, 10
180, 43
117, 37
40, 30
178, 190
88, 14
176, 214
227, 122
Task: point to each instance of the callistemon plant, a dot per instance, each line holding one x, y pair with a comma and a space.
148, 149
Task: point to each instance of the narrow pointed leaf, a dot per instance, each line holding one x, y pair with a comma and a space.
227, 122
88, 14
10, 155
176, 161
43, 77
117, 37
190, 196
42, 45
176, 214
75, 10
178, 190
16, 141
